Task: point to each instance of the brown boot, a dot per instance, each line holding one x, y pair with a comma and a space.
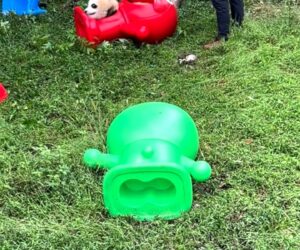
217, 42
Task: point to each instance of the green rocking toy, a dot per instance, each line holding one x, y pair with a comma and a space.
150, 160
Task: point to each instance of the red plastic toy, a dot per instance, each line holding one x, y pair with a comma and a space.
3, 93
144, 21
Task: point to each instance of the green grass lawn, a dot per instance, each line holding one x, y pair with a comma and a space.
244, 98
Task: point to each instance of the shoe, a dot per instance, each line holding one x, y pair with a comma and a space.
217, 42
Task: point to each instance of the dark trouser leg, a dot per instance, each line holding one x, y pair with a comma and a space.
223, 18
237, 10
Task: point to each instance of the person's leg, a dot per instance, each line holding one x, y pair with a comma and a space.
237, 11
223, 23
223, 18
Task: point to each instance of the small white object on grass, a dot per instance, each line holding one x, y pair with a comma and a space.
189, 59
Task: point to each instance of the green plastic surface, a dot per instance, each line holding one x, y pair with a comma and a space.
150, 161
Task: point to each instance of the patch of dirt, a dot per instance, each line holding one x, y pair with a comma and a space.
265, 10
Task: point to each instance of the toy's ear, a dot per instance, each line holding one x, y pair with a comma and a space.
199, 170
93, 158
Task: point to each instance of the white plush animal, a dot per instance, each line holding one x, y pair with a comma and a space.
101, 8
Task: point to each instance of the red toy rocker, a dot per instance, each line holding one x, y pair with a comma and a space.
144, 21
3, 93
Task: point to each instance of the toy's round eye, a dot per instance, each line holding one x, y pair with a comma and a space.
94, 6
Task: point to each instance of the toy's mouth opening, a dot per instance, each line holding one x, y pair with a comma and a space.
157, 192
148, 191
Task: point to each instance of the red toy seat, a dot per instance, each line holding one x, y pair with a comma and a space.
148, 21
3, 93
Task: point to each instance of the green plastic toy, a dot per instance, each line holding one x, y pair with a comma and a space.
151, 151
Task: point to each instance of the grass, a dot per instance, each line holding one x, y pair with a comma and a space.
244, 98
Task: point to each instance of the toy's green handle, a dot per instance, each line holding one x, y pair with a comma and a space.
199, 170
93, 158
